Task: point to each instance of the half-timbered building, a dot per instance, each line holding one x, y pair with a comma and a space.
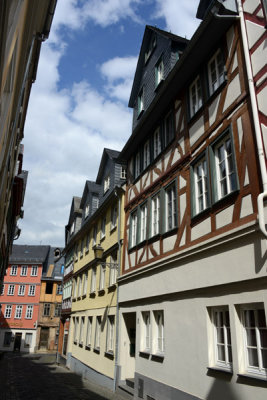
193, 294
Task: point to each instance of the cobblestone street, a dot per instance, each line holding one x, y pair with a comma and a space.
37, 377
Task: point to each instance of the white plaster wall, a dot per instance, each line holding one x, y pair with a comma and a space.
201, 229
196, 130
23, 349
259, 57
168, 243
224, 217
246, 206
250, 6
254, 31
261, 97
213, 110
233, 91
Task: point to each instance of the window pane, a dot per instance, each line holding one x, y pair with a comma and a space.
264, 358
261, 318
251, 337
220, 335
263, 336
221, 353
253, 358
249, 318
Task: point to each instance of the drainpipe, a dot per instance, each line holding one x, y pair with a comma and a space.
117, 304
256, 121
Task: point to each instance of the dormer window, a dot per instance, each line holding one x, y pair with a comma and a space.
87, 209
123, 172
159, 72
106, 183
95, 203
152, 45
141, 101
72, 228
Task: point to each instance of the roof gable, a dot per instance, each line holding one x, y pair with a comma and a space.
107, 153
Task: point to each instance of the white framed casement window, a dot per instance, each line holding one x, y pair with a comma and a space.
156, 143
113, 220
47, 309
97, 332
146, 154
87, 210
146, 332
29, 312
113, 270
158, 333
155, 214
85, 280
216, 74
28, 339
224, 171
94, 235
14, 270
79, 286
106, 183
199, 187
168, 129
159, 72
110, 334
103, 228
11, 290
102, 279
143, 222
93, 280
8, 311
2, 289
34, 271
81, 331
137, 164
222, 345
170, 207
18, 312
195, 96
76, 330
141, 102
24, 270
31, 291
133, 229
95, 203
123, 172
253, 320
89, 331
21, 291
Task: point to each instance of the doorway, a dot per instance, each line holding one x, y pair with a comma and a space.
128, 345
17, 341
44, 335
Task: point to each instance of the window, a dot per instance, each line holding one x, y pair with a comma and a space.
29, 312
143, 224
28, 339
8, 311
133, 229
152, 45
222, 353
76, 252
95, 203
34, 271
89, 332
216, 71
87, 242
106, 183
159, 332
168, 129
59, 288
11, 290
255, 339
84, 290
113, 269
81, 331
72, 228
170, 207
81, 249
93, 280
76, 325
103, 227
2, 289
46, 312
155, 215
137, 164
18, 312
24, 270
31, 291
7, 339
79, 286
102, 277
141, 101
87, 210
97, 332
157, 143
146, 160
195, 96
110, 334
14, 270
94, 235
146, 332
114, 213
74, 286
21, 290
49, 288
57, 310
159, 72
200, 186
123, 172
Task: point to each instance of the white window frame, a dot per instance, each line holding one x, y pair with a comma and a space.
97, 333
146, 154
32, 289
28, 339
110, 334
85, 280
134, 225
11, 290
79, 286
112, 270
114, 214
29, 312
201, 185
13, 270
143, 222
89, 331
146, 332
195, 96
34, 270
221, 334
216, 72
81, 336
123, 174
226, 162
106, 183
24, 270
102, 280
157, 143
158, 333
8, 311
87, 210
18, 312
155, 215
21, 291
93, 280
159, 71
103, 227
171, 211
47, 307
257, 346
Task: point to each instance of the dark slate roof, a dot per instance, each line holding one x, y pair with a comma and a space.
31, 254
168, 35
57, 262
113, 154
206, 5
89, 186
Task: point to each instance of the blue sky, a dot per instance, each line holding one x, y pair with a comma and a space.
79, 102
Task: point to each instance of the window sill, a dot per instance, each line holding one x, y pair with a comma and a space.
74, 300
113, 228
112, 286
83, 296
144, 353
79, 298
101, 292
86, 251
252, 376
75, 342
170, 232
92, 294
157, 357
88, 347
109, 354
80, 345
220, 370
97, 350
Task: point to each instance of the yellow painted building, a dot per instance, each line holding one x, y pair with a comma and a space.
98, 247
